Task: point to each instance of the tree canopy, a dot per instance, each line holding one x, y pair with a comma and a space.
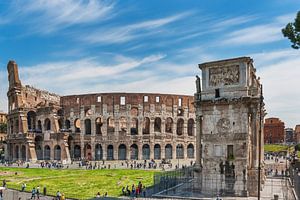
292, 32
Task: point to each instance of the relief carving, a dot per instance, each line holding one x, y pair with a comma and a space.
223, 125
228, 75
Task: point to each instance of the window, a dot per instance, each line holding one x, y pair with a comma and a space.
145, 98
217, 93
99, 99
230, 155
122, 101
77, 100
157, 99
179, 102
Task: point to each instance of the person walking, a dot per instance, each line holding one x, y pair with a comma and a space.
38, 192
33, 191
23, 187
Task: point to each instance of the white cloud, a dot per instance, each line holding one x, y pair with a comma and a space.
45, 16
126, 33
281, 88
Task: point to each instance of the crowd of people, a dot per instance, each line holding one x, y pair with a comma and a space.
135, 191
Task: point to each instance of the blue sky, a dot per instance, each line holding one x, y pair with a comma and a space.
72, 47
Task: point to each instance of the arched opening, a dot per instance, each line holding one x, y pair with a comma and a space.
61, 123
47, 124
23, 153
123, 124
88, 152
39, 152
98, 126
60, 113
168, 151
47, 152
157, 124
190, 151
67, 124
39, 126
77, 125
191, 127
98, 152
77, 151
134, 126
38, 147
146, 152
110, 125
17, 152
180, 123
134, 152
88, 127
110, 152
57, 152
31, 120
179, 151
157, 152
146, 126
169, 125
122, 152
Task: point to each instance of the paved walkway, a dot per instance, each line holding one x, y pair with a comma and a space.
17, 195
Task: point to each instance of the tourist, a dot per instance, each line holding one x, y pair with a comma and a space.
98, 195
45, 191
23, 187
58, 195
33, 191
4, 183
38, 192
123, 191
62, 196
144, 191
128, 191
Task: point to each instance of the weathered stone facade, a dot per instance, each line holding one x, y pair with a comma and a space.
228, 125
103, 126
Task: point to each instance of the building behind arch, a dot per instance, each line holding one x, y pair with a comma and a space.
102, 126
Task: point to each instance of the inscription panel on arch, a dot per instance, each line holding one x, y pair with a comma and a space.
222, 76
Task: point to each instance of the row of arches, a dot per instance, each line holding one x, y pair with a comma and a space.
134, 125
132, 153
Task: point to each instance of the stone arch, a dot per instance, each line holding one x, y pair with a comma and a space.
38, 147
31, 120
123, 124
60, 113
180, 126
47, 124
57, 152
23, 152
157, 151
77, 125
39, 126
179, 151
169, 125
110, 125
17, 152
190, 151
146, 152
47, 152
134, 126
98, 126
110, 152
88, 151
146, 126
191, 123
157, 124
88, 126
77, 151
67, 124
134, 112
134, 152
60, 123
122, 152
98, 152
168, 151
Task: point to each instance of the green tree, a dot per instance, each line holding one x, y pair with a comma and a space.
292, 32
3, 128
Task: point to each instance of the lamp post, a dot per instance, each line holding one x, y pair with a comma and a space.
259, 140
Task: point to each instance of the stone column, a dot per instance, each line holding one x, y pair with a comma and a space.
140, 156
104, 150
162, 151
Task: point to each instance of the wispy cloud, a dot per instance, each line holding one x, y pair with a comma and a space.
121, 34
258, 34
45, 16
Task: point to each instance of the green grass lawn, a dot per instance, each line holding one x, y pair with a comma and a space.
276, 148
76, 183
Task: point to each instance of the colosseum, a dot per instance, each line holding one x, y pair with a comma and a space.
102, 126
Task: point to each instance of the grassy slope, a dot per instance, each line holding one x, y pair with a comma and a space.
275, 147
76, 183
